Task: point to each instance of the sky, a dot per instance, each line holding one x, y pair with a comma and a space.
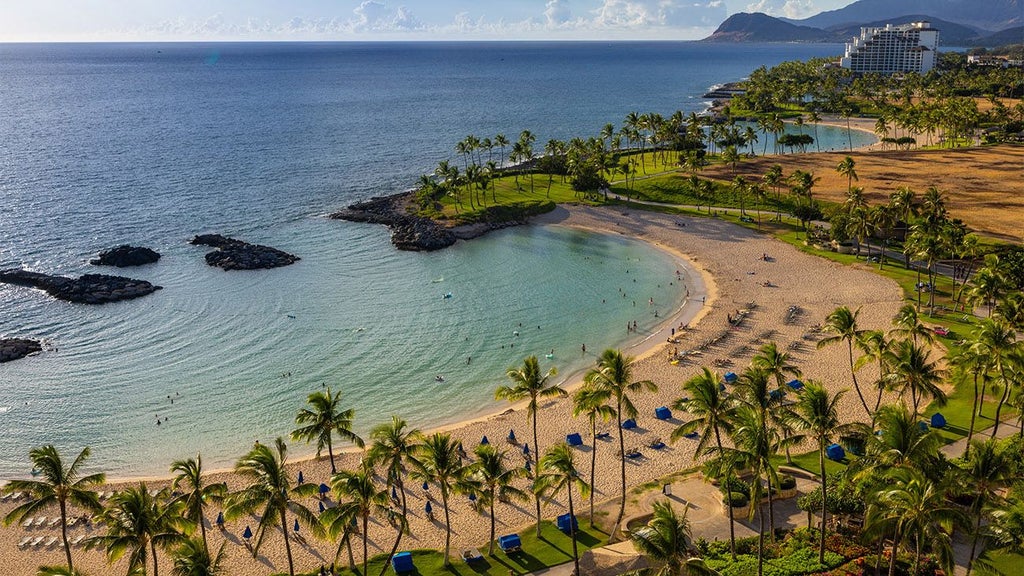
225, 20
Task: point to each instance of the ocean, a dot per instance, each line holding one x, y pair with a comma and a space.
150, 144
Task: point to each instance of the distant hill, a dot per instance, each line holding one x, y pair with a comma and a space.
758, 27
950, 34
1009, 36
988, 15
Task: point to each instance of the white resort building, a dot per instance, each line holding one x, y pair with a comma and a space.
906, 48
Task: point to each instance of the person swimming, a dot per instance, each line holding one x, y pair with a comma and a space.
439, 378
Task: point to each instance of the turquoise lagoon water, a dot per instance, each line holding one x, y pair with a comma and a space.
149, 144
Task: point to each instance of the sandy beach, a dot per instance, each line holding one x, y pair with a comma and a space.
726, 270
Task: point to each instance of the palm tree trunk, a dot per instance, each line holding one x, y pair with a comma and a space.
853, 373
351, 558
974, 544
728, 477
152, 547
974, 411
447, 527
622, 462
1002, 400
366, 553
287, 546
536, 462
64, 533
824, 500
892, 558
572, 532
917, 553
593, 465
202, 529
330, 453
771, 513
490, 544
760, 539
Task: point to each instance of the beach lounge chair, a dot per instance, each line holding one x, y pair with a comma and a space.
471, 555
835, 452
37, 541
510, 543
938, 420
50, 541
603, 435
402, 562
53, 523
629, 424
657, 444
24, 542
574, 439
28, 522
563, 523
662, 413
634, 453
40, 521
77, 540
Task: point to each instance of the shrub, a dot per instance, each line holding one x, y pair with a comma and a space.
738, 499
787, 482
734, 484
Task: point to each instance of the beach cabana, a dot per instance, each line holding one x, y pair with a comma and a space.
692, 435
510, 543
730, 377
484, 440
835, 452
402, 562
394, 494
938, 420
923, 426
776, 394
324, 489
662, 413
628, 424
721, 387
795, 384
574, 439
472, 498
563, 522
301, 479
511, 437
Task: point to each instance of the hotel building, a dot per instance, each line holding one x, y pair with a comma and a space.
906, 48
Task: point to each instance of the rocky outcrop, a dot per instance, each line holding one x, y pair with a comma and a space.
15, 348
125, 255
408, 232
88, 289
232, 254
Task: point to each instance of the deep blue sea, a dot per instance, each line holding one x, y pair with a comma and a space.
103, 144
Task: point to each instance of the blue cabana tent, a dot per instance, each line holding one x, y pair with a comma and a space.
938, 420
795, 384
662, 413
324, 489
510, 543
296, 526
923, 426
511, 436
563, 523
628, 424
220, 519
835, 452
402, 562
574, 439
730, 377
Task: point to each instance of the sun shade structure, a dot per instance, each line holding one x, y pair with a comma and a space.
730, 377
563, 523
628, 424
402, 562
510, 543
795, 385
938, 420
662, 413
574, 439
835, 452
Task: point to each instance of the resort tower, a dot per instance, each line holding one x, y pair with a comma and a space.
890, 49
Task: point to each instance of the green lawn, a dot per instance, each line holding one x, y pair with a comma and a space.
551, 549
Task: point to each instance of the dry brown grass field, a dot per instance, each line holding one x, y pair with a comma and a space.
984, 186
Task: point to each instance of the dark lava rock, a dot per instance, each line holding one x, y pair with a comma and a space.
15, 348
408, 232
125, 255
231, 254
88, 289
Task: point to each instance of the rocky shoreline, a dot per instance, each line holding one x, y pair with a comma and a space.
87, 289
17, 348
415, 233
232, 254
124, 255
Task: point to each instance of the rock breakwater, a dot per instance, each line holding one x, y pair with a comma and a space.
87, 289
15, 348
232, 254
125, 255
408, 232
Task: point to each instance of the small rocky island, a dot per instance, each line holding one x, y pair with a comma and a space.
125, 255
15, 348
87, 289
231, 254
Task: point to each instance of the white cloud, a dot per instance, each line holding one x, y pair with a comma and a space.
659, 13
787, 8
557, 13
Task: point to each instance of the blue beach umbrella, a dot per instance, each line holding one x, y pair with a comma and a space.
248, 532
472, 497
527, 465
426, 486
302, 480
484, 440
220, 519
428, 508
324, 489
296, 525
394, 493
322, 508
512, 436
526, 449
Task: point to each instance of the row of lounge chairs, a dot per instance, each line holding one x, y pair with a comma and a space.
44, 542
46, 522
12, 497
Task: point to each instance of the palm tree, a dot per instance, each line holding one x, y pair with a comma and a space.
875, 347
989, 469
593, 402
322, 420
358, 497
997, 340
817, 412
436, 460
666, 541
557, 472
966, 360
190, 474
137, 523
392, 448
900, 441
59, 571
614, 373
843, 324
270, 491
60, 485
501, 142
192, 558
528, 383
814, 118
847, 167
907, 325
495, 480
910, 370
917, 509
711, 409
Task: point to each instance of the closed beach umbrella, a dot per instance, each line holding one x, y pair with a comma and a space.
394, 493
428, 508
512, 436
526, 449
484, 440
301, 479
472, 497
324, 489
248, 533
296, 524
220, 519
527, 465
426, 486
322, 507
